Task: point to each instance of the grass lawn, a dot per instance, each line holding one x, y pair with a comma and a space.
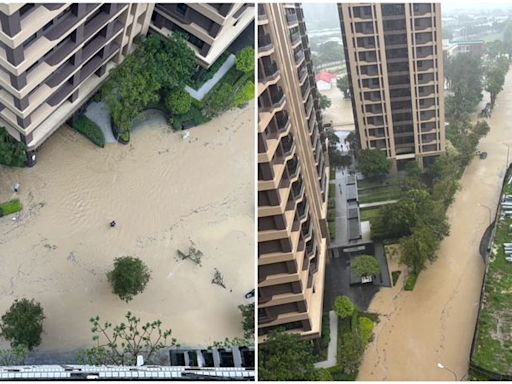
10, 207
494, 340
381, 193
369, 213
411, 282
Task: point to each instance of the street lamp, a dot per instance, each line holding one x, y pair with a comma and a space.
439, 365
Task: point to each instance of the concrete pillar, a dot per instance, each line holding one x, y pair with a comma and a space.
23, 122
11, 24
22, 103
20, 81
15, 55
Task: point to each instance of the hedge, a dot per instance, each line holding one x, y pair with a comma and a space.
411, 282
90, 129
10, 207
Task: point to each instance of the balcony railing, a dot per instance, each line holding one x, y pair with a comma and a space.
262, 15
270, 72
299, 57
295, 37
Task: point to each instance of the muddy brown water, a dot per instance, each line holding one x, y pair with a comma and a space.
340, 111
164, 193
435, 322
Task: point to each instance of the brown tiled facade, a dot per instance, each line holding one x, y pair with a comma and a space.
209, 27
394, 58
53, 57
292, 177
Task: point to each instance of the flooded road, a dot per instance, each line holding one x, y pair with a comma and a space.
435, 322
164, 193
340, 111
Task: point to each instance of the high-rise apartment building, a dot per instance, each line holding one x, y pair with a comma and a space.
394, 58
292, 177
53, 57
209, 27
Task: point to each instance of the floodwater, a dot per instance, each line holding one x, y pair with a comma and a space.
164, 192
435, 322
340, 112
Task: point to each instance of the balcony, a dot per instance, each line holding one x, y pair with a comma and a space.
264, 43
422, 9
305, 91
269, 71
422, 24
295, 38
298, 190
303, 72
262, 15
293, 168
309, 106
299, 57
291, 18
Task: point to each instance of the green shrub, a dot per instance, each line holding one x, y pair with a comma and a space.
12, 152
178, 101
244, 95
129, 277
344, 307
219, 99
89, 129
331, 215
332, 229
245, 60
366, 329
22, 324
10, 207
411, 282
395, 275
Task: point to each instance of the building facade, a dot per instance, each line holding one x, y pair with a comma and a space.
210, 28
53, 57
394, 60
292, 177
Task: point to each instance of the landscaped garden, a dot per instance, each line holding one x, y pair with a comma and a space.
494, 340
155, 76
371, 191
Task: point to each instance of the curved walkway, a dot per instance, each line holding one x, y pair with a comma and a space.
332, 350
435, 322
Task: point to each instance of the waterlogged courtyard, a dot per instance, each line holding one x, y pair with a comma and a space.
165, 193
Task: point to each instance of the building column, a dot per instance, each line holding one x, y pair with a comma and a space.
101, 70
15, 55
22, 103
20, 81
23, 122
11, 24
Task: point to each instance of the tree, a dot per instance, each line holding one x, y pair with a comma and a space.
366, 266
22, 324
129, 277
481, 128
121, 344
158, 63
286, 357
344, 307
374, 163
419, 248
495, 78
247, 320
179, 101
343, 85
325, 102
245, 60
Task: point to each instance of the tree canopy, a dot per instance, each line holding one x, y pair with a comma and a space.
286, 357
419, 248
374, 163
129, 277
344, 307
12, 152
343, 85
245, 60
366, 266
22, 324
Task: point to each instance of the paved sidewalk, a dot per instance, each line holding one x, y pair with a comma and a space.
377, 204
332, 350
200, 93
